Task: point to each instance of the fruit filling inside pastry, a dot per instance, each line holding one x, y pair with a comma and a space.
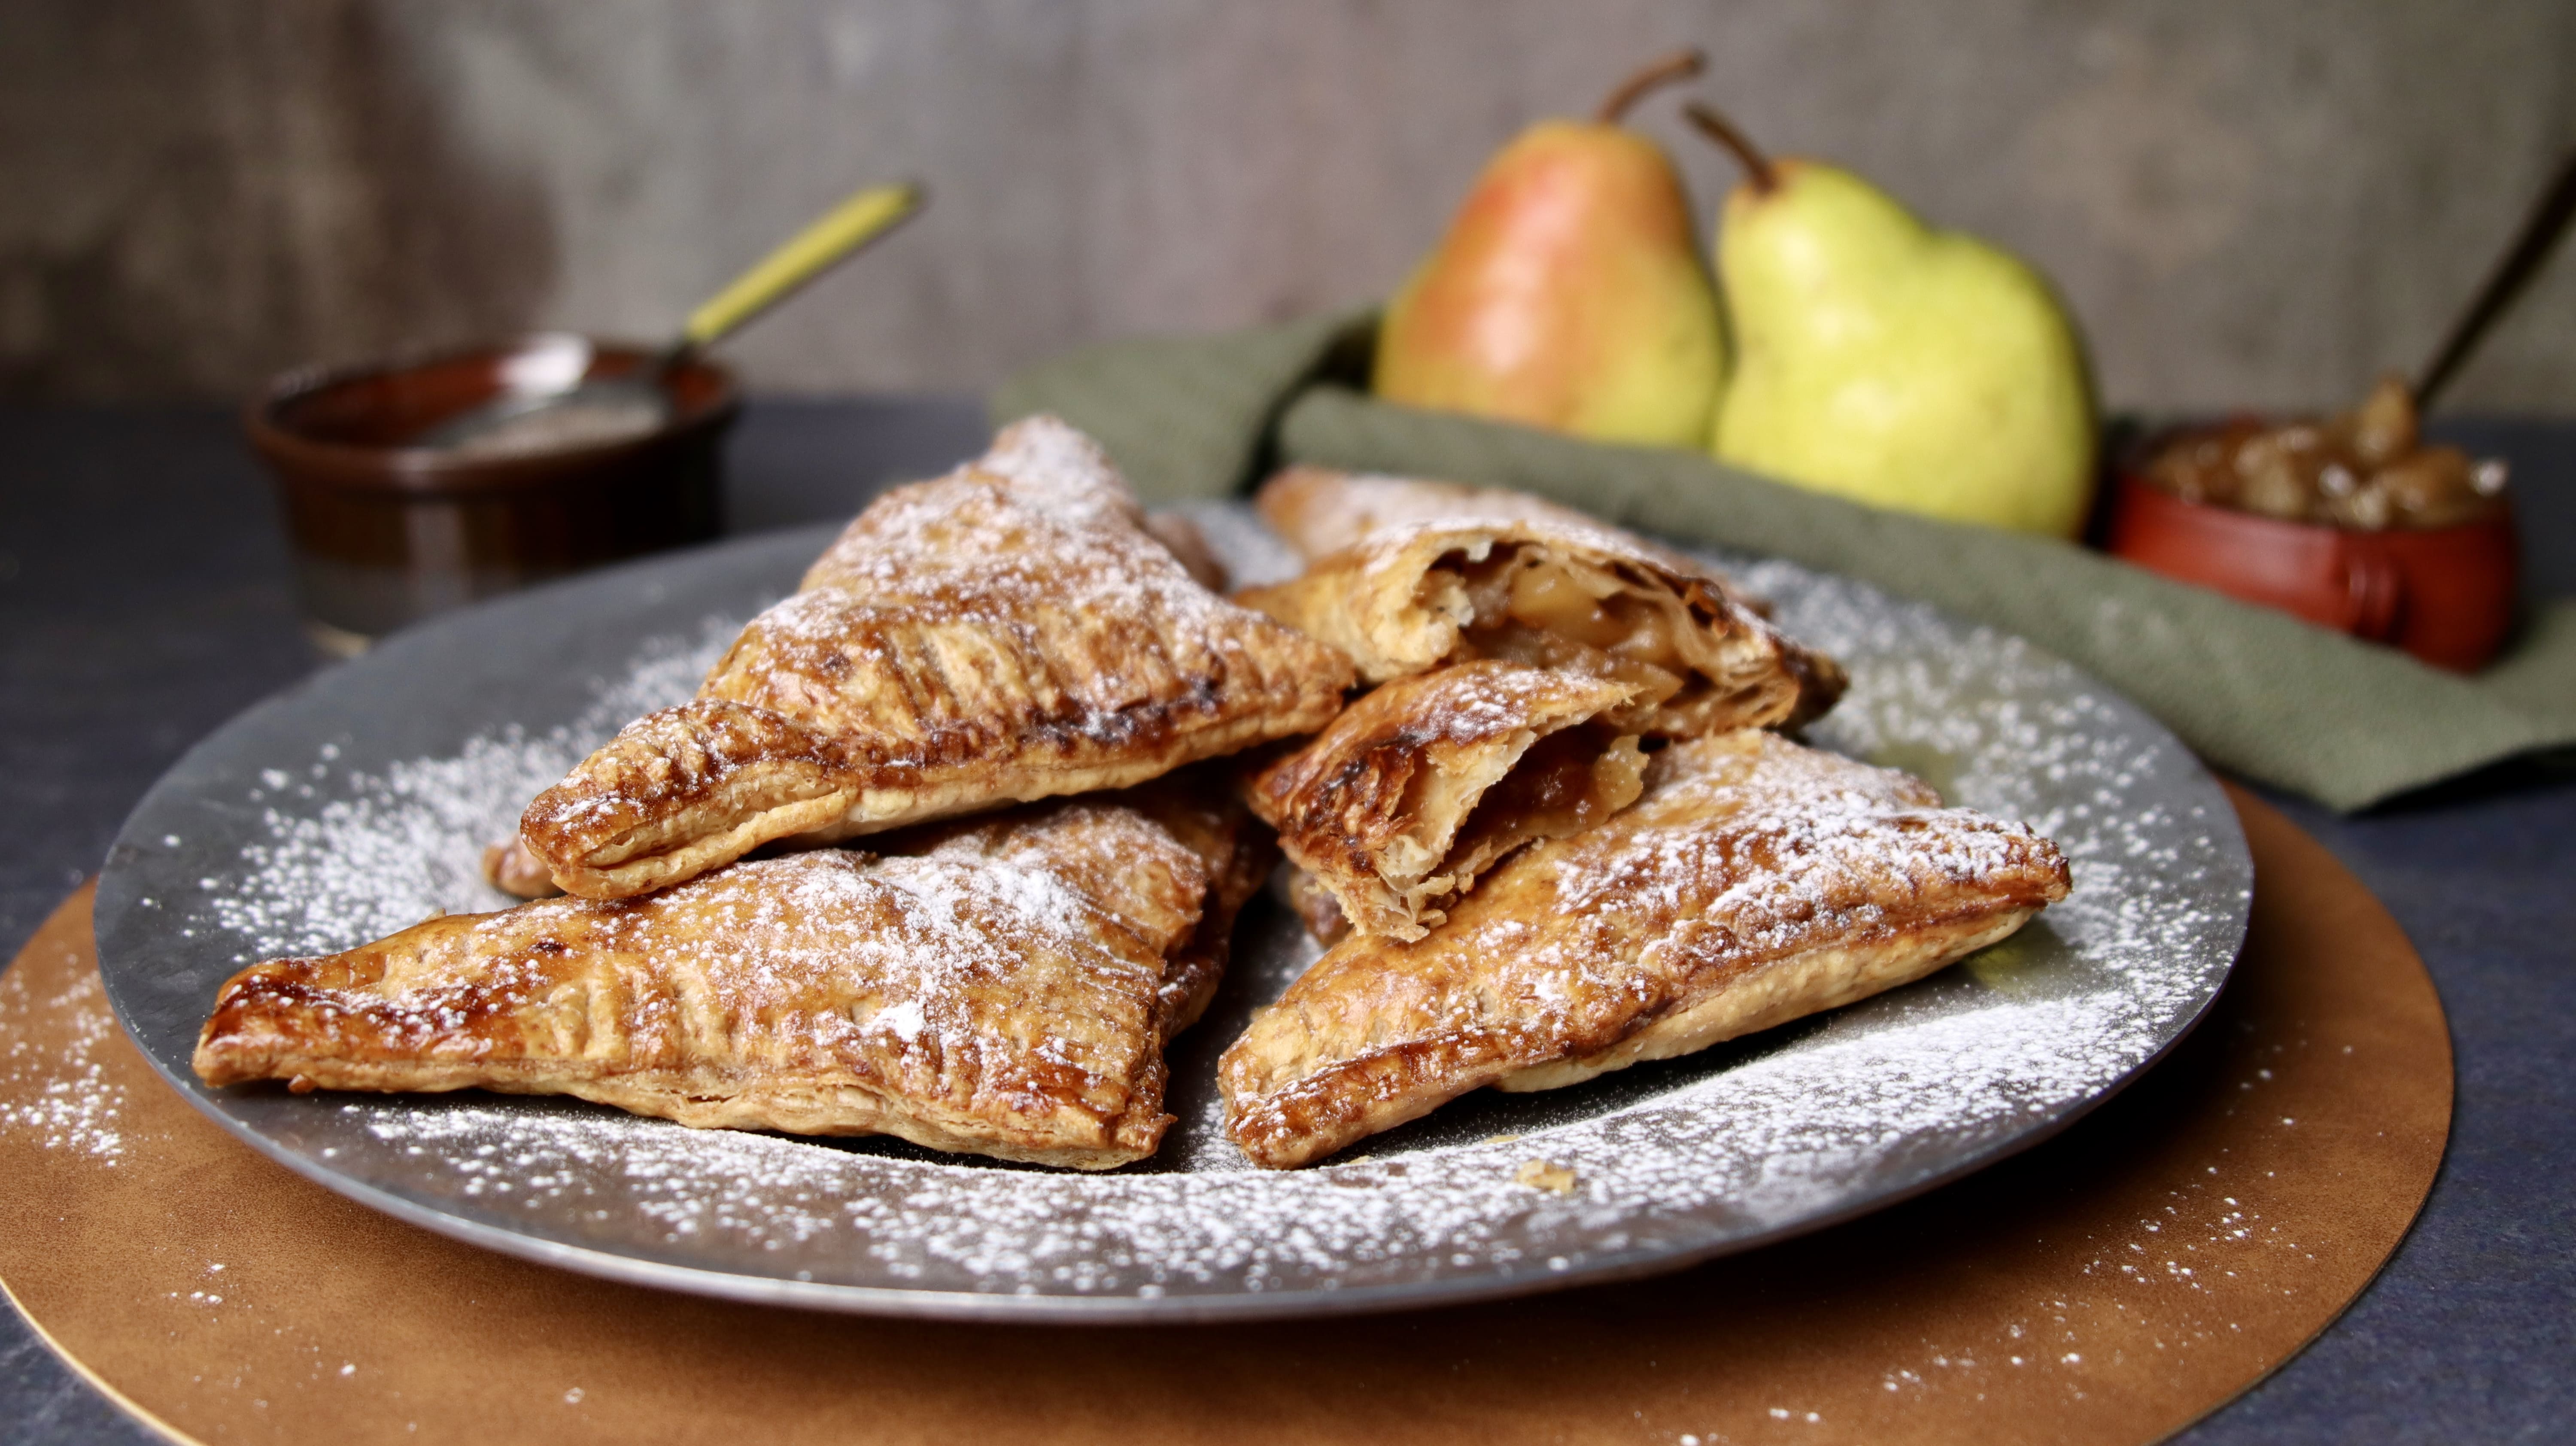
1531, 604
1566, 782
1428, 781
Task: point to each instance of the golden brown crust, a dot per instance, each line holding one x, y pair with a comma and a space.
1004, 634
1431, 573
1388, 807
1757, 881
1197, 810
682, 790
1005, 989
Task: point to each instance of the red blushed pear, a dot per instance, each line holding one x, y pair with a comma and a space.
1568, 292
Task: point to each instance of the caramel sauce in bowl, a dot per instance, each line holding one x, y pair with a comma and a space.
387, 528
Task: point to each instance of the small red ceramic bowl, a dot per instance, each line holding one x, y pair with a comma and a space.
386, 530
2445, 594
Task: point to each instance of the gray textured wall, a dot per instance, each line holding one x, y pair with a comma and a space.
2247, 204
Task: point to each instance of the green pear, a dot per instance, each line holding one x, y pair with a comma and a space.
1568, 292
1894, 363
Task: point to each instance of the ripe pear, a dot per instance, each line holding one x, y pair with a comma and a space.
1894, 363
1568, 292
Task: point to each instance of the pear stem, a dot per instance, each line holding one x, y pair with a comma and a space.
1680, 65
1757, 166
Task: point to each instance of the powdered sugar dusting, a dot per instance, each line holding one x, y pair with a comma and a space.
1055, 467
1670, 1159
916, 974
351, 856
62, 1096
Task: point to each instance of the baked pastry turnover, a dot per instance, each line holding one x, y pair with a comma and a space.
1431, 573
1755, 882
1006, 633
1006, 989
1428, 781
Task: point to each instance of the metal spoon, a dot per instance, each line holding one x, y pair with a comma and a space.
548, 400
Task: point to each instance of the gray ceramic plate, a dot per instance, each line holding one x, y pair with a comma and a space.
358, 804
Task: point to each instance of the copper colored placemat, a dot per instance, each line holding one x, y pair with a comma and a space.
2109, 1286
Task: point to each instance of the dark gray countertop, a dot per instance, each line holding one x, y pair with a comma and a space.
144, 600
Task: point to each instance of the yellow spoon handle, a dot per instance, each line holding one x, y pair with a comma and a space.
808, 254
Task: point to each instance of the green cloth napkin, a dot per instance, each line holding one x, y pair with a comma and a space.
2254, 691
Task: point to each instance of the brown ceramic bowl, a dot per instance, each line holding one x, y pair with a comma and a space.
386, 530
2446, 594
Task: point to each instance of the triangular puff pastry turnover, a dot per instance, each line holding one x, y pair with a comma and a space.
1006, 990
1756, 881
1428, 781
1405, 576
1006, 633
